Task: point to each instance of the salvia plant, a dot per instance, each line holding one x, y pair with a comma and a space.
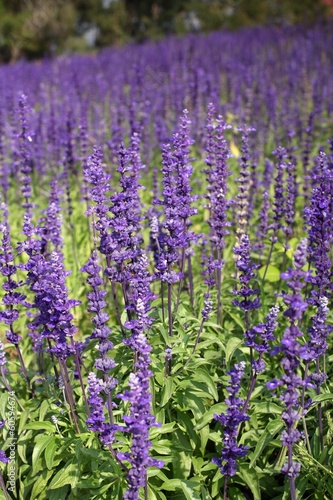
166, 221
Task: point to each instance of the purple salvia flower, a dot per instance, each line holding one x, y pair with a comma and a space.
48, 281
290, 198
96, 420
8, 270
230, 421
245, 267
49, 227
3, 458
244, 184
319, 219
95, 175
217, 177
25, 159
208, 307
140, 419
261, 232
279, 197
177, 200
292, 352
125, 225
268, 174
3, 359
319, 331
101, 331
260, 336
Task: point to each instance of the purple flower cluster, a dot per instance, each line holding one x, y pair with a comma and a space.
217, 175
260, 336
96, 305
177, 201
8, 270
319, 219
292, 351
230, 421
54, 320
245, 267
140, 418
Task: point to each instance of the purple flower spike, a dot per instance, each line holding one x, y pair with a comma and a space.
292, 352
230, 422
246, 267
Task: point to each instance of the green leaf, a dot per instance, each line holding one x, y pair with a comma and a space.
167, 390
189, 492
41, 426
209, 415
271, 429
236, 319
232, 345
272, 275
44, 407
194, 403
322, 397
164, 429
250, 477
267, 408
40, 446
202, 375
181, 464
23, 418
67, 475
49, 454
40, 483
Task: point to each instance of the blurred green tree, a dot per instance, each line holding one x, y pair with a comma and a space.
34, 28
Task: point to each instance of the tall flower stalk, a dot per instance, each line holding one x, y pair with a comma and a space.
230, 421
140, 419
292, 351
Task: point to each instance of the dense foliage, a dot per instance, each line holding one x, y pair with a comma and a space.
166, 270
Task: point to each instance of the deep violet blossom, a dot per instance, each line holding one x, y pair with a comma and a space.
290, 381
319, 220
101, 331
12, 296
245, 268
54, 320
177, 201
140, 418
230, 421
217, 175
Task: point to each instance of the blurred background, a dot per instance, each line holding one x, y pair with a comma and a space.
43, 28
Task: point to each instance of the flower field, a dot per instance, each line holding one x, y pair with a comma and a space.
166, 270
